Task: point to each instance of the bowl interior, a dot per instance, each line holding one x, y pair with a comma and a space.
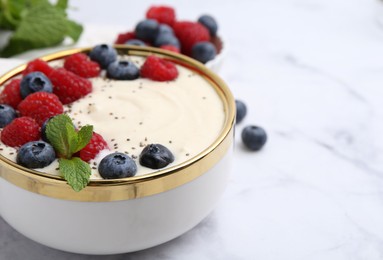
137, 186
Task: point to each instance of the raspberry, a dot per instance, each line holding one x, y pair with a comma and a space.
190, 33
81, 65
122, 38
158, 69
90, 151
40, 106
217, 43
20, 131
163, 14
68, 86
38, 65
11, 93
170, 48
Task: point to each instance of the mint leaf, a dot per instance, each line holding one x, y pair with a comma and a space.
10, 15
62, 4
4, 23
64, 138
76, 172
37, 24
30, 3
84, 136
66, 141
72, 138
57, 134
74, 30
42, 26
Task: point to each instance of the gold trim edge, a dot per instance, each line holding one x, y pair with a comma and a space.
138, 186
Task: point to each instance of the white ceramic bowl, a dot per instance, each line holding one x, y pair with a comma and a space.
124, 215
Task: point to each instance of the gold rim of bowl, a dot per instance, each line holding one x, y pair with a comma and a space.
137, 186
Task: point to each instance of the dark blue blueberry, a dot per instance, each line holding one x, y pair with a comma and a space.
156, 156
35, 82
117, 165
147, 30
43, 130
103, 54
7, 114
123, 70
254, 137
135, 42
210, 23
166, 39
204, 51
241, 111
36, 154
165, 29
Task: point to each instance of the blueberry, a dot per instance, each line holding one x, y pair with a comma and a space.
123, 70
147, 30
44, 129
36, 154
204, 51
241, 111
210, 23
166, 39
156, 156
103, 54
165, 29
7, 114
254, 137
135, 42
117, 165
35, 82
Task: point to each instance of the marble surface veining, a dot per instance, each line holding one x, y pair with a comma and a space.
311, 73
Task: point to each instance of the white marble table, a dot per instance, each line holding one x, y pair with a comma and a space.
311, 73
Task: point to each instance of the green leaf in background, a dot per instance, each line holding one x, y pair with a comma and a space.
76, 172
42, 26
11, 12
74, 30
62, 4
36, 24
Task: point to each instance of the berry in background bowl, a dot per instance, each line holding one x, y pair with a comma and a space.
150, 151
197, 39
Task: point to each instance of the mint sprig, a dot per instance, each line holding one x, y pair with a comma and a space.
66, 141
36, 24
76, 172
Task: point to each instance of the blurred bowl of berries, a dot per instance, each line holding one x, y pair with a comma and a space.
121, 183
197, 39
